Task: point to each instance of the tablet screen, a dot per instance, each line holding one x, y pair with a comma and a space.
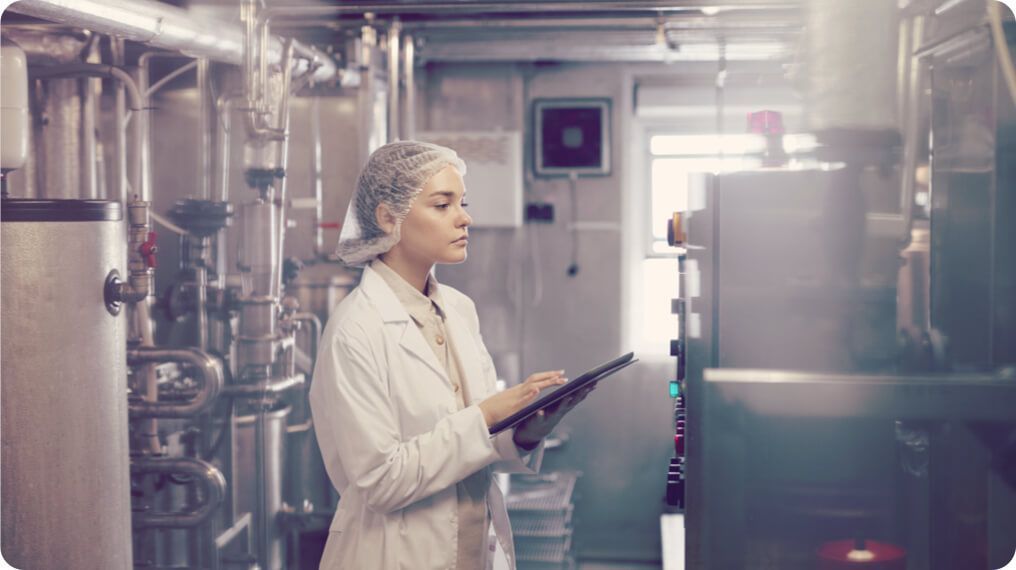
551, 397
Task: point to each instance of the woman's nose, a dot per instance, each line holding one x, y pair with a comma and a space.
465, 220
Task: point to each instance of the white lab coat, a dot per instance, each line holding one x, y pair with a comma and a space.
392, 437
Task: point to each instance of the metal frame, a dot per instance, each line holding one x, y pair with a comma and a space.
603, 105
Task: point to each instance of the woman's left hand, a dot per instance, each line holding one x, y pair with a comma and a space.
533, 429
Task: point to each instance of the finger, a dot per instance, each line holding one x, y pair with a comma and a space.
543, 376
543, 384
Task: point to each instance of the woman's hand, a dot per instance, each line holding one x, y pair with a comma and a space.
503, 404
537, 426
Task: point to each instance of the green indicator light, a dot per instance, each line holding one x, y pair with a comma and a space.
675, 389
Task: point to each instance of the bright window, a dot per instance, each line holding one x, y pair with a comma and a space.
672, 159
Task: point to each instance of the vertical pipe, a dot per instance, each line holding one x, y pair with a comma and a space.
120, 163
204, 138
911, 118
283, 162
394, 33
223, 134
201, 281
365, 94
89, 181
260, 490
144, 120
409, 65
316, 174
250, 80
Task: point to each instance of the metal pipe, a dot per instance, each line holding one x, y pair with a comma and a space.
224, 105
137, 105
283, 162
144, 124
163, 26
204, 139
263, 388
488, 7
409, 115
317, 185
92, 70
201, 281
150, 426
119, 125
89, 109
209, 374
211, 479
365, 94
144, 120
913, 87
260, 488
394, 34
315, 331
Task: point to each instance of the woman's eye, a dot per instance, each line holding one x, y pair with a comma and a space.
465, 204
442, 206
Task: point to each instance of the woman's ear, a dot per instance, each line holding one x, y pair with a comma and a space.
386, 220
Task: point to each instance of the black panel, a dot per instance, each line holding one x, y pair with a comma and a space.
25, 210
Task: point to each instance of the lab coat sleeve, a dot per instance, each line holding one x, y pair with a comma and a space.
350, 387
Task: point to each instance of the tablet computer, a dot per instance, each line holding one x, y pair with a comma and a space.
550, 397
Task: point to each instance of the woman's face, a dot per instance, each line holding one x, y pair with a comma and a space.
436, 229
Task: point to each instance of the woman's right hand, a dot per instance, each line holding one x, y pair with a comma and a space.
503, 404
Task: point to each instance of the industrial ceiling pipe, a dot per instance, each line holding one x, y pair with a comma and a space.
168, 27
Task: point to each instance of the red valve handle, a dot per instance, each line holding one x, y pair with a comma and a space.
149, 249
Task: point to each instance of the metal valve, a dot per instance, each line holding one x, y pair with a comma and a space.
148, 249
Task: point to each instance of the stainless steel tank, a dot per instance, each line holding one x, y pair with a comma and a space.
248, 461
65, 473
320, 286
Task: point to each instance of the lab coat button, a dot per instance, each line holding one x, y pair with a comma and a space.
440, 340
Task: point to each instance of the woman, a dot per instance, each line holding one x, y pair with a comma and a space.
404, 389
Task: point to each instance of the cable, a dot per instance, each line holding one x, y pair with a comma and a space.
169, 77
1005, 63
168, 225
573, 269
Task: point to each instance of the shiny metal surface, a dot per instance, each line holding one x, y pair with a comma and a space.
160, 25
209, 376
320, 286
787, 270
836, 97
66, 491
210, 478
984, 397
271, 465
57, 142
259, 248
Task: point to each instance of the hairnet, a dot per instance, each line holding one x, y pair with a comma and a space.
394, 175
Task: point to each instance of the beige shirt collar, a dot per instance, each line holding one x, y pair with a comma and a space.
418, 305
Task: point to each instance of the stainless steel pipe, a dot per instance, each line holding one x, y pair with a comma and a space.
209, 373
164, 26
211, 479
394, 35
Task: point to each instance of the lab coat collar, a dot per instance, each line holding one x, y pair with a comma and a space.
394, 314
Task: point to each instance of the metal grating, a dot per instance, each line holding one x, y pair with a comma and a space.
541, 525
555, 550
547, 492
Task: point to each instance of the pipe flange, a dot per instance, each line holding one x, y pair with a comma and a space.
111, 293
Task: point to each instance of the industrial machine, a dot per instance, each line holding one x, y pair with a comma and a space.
846, 390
